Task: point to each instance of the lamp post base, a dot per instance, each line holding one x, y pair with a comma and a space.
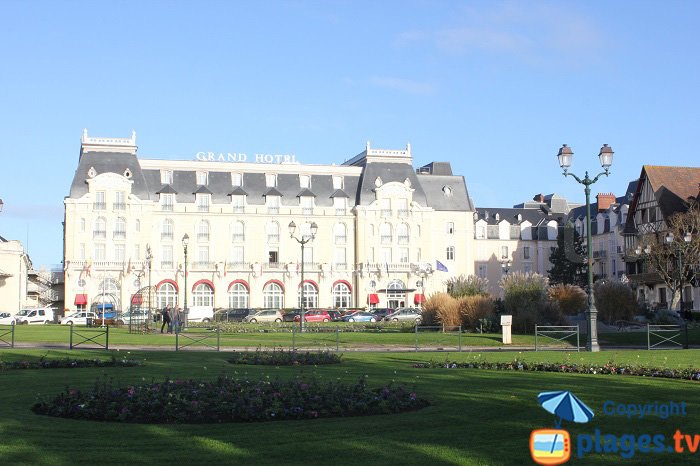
592, 337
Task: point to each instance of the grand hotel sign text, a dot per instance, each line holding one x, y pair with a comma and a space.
240, 157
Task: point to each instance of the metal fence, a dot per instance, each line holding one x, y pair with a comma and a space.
7, 336
667, 336
210, 339
558, 334
80, 336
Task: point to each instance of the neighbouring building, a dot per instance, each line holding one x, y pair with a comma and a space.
383, 225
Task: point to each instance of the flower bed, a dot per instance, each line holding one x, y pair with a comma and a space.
607, 368
228, 400
285, 358
67, 363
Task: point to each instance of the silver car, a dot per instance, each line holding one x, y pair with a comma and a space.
405, 314
268, 315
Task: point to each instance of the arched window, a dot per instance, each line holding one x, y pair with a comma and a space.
402, 233
385, 233
396, 293
340, 233
100, 230
273, 296
238, 232
166, 295
167, 229
310, 296
238, 296
203, 295
273, 232
203, 231
120, 228
342, 297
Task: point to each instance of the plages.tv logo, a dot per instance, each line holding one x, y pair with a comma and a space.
553, 446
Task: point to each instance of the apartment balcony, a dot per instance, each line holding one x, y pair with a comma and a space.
203, 208
238, 209
203, 237
341, 211
403, 213
403, 239
273, 238
238, 238
341, 239
203, 265
386, 212
119, 234
307, 210
166, 236
99, 234
167, 265
166, 207
601, 254
99, 206
119, 206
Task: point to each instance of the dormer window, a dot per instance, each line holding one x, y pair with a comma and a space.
202, 178
166, 176
236, 179
304, 181
337, 182
497, 217
447, 191
203, 201
271, 180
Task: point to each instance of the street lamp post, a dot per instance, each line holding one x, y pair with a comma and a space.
566, 156
149, 259
302, 241
687, 238
185, 242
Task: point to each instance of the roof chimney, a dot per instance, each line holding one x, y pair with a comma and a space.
538, 198
605, 200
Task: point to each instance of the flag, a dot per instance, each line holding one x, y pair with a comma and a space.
440, 266
225, 267
297, 268
128, 267
88, 264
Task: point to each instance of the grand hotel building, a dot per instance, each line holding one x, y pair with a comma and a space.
382, 225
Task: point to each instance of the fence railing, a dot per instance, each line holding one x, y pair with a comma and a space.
210, 339
667, 336
80, 336
7, 336
556, 333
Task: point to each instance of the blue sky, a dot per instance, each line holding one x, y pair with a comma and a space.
493, 87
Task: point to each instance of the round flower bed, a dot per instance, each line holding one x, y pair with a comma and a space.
607, 368
228, 400
285, 358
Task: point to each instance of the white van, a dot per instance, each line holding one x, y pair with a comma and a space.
41, 315
200, 314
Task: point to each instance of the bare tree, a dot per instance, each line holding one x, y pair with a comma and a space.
675, 258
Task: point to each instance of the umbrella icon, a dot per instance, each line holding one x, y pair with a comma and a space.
565, 405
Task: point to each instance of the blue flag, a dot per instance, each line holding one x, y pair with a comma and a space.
440, 266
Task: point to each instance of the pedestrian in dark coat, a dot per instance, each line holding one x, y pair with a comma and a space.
165, 313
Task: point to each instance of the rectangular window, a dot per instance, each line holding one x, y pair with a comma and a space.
82, 225
100, 201
81, 252
337, 182
403, 207
137, 252
307, 205
166, 257
119, 200
480, 232
304, 181
238, 201
526, 252
450, 228
166, 202
483, 270
418, 255
504, 252
273, 204
273, 256
236, 179
119, 252
403, 255
386, 256
166, 176
527, 267
202, 178
340, 203
371, 256
203, 202
339, 258
450, 253
238, 255
386, 207
100, 251
203, 256
270, 180
308, 255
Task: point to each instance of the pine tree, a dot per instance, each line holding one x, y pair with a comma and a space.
568, 259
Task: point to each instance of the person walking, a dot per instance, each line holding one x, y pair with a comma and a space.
177, 318
165, 313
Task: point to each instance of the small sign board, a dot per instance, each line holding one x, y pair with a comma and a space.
507, 320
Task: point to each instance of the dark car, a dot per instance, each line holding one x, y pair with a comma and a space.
231, 315
335, 315
381, 312
291, 315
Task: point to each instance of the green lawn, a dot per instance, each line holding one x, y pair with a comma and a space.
476, 417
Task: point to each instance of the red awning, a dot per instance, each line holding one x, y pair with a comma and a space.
418, 298
137, 299
373, 298
80, 299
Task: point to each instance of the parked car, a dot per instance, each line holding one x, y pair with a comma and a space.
292, 316
360, 316
267, 315
381, 312
6, 318
42, 315
78, 318
404, 314
317, 315
232, 315
200, 314
336, 315
134, 316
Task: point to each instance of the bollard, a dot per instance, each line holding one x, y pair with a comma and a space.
218, 339
460, 338
71, 337
107, 338
416, 337
337, 339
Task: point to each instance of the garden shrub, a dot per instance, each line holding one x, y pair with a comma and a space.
475, 310
570, 298
471, 285
432, 307
228, 400
285, 358
614, 300
525, 297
